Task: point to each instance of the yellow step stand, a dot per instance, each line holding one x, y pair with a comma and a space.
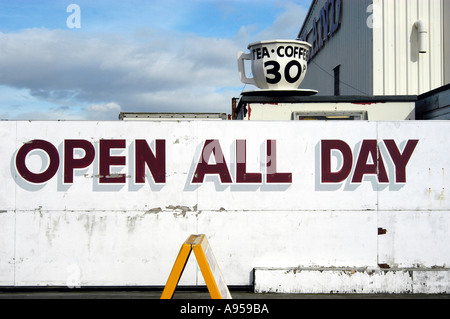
208, 265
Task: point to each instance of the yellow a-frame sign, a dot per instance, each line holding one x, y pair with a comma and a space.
208, 265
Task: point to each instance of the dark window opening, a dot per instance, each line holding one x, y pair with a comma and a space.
337, 81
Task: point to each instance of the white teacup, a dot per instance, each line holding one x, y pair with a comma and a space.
276, 64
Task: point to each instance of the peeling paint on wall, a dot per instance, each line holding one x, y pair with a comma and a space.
129, 233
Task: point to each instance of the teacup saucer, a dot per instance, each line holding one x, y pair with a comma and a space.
297, 92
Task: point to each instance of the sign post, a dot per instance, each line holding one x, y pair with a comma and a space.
208, 265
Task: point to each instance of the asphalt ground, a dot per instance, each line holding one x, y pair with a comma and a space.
198, 294
130, 303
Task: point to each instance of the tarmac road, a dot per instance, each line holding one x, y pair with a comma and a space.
131, 303
50, 293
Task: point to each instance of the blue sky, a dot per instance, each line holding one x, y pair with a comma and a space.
131, 56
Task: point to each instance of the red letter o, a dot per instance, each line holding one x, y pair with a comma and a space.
52, 168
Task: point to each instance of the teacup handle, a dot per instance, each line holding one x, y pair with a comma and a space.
240, 59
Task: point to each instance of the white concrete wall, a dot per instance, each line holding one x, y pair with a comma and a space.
86, 234
381, 111
363, 281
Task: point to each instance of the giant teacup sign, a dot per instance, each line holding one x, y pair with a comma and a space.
369, 161
275, 64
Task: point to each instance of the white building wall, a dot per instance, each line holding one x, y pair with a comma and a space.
377, 48
90, 234
376, 111
399, 68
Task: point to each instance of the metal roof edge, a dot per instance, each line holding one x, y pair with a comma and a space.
435, 91
325, 99
313, 3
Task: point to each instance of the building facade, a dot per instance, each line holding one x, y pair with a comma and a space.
377, 47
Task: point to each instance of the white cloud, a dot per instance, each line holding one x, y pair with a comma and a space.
153, 72
59, 66
102, 108
106, 111
287, 24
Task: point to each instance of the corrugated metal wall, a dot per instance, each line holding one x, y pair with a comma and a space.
350, 47
399, 68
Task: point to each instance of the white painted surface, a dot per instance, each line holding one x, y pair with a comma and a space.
366, 281
414, 239
382, 111
128, 234
105, 248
